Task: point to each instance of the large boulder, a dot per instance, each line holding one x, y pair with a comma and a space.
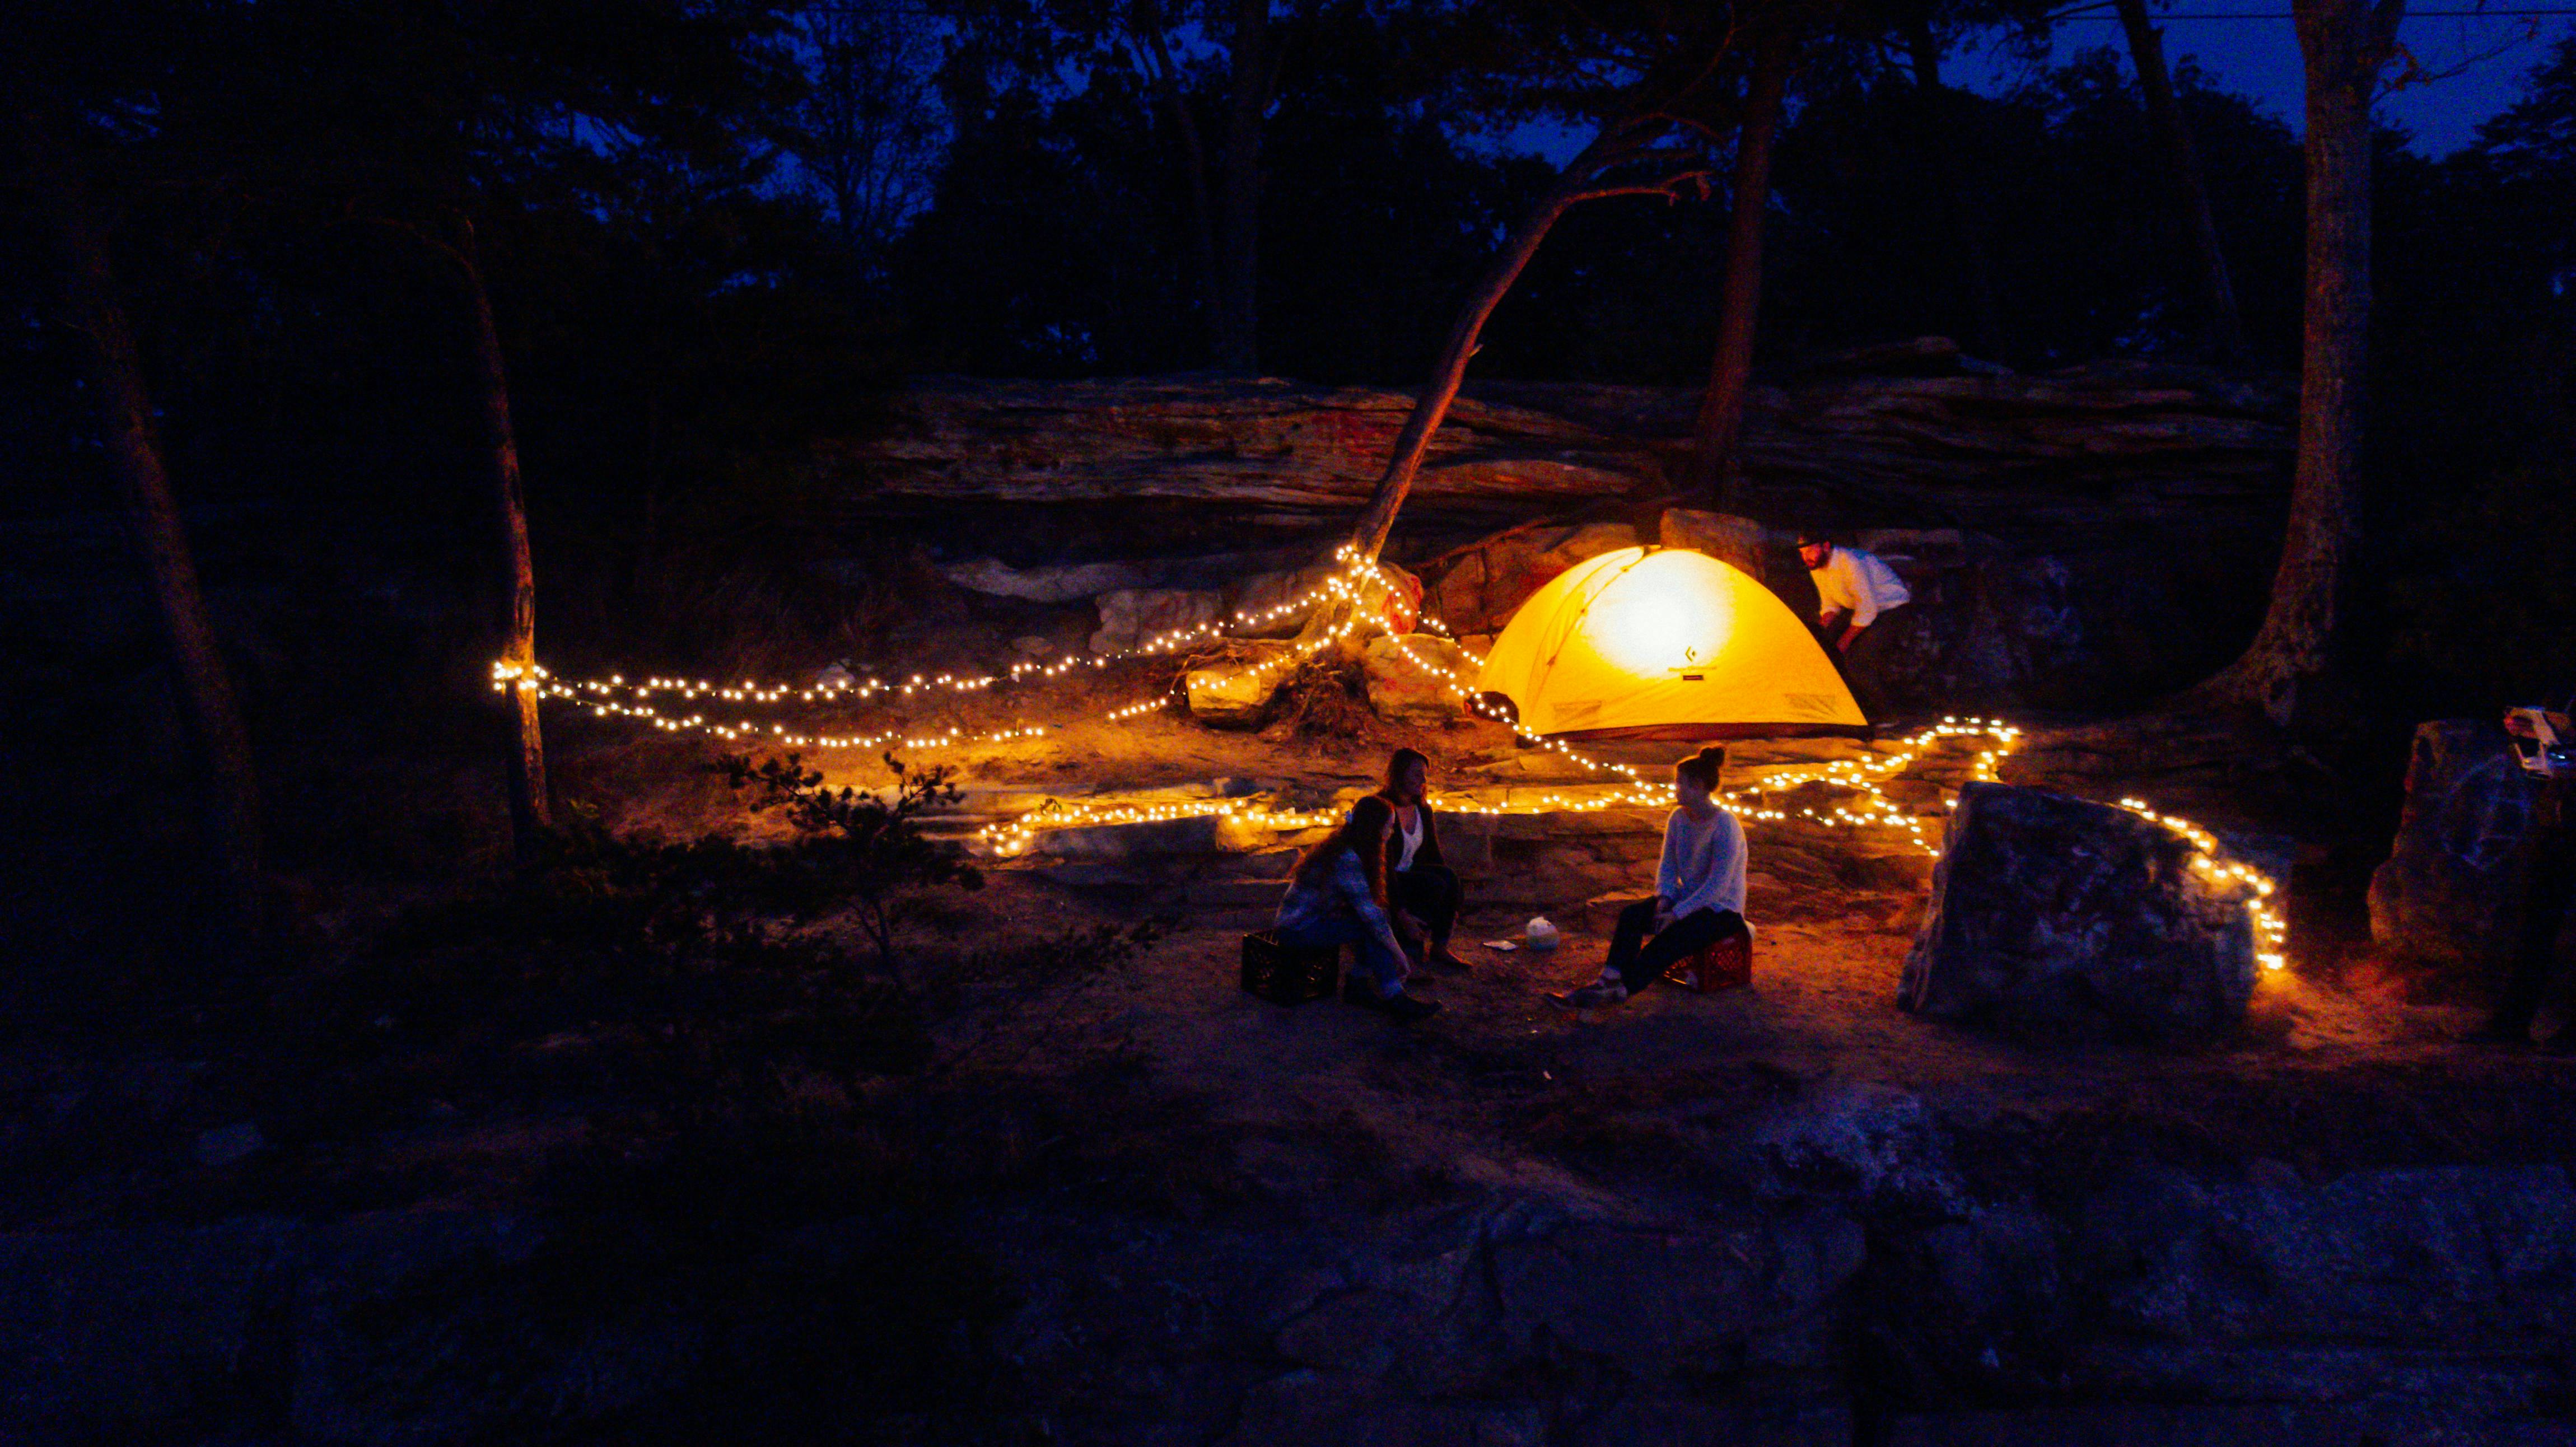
1481, 586
2451, 890
1402, 690
2056, 918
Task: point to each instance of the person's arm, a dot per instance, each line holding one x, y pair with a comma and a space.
1294, 905
1352, 880
1668, 871
1729, 866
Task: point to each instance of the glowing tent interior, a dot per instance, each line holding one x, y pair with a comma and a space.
1665, 643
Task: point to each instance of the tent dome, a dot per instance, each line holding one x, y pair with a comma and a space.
1665, 643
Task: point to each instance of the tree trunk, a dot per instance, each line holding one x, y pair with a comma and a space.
1721, 413
1572, 185
1238, 321
1976, 251
529, 810
1146, 21
2344, 45
2222, 324
115, 376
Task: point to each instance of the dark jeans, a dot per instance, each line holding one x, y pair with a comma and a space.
2551, 888
1343, 929
1639, 961
1869, 669
1430, 894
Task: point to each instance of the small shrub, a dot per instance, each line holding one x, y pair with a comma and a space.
856, 848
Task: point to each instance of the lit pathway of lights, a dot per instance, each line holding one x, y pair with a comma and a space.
1351, 584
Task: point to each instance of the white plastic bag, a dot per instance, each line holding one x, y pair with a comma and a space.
1540, 934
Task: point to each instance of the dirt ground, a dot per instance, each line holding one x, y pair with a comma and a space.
1072, 1164
1502, 1088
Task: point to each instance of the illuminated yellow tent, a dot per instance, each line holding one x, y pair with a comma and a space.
1665, 643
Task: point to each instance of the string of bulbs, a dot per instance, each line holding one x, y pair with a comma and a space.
1356, 581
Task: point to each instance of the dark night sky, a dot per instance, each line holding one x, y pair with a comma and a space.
2261, 58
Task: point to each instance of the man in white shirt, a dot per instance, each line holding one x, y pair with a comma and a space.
1856, 592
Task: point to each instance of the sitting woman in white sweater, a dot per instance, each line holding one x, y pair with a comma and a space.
1699, 890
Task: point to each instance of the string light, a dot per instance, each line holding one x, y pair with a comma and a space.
1351, 583
2271, 926
1017, 836
1343, 583
1346, 584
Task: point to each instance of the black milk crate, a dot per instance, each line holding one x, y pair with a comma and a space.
1289, 974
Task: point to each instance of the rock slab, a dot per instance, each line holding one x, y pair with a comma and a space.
2450, 892
1237, 693
2056, 918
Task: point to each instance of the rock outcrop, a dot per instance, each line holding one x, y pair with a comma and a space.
1253, 442
2450, 892
1975, 450
1740, 541
1402, 690
1236, 692
1481, 585
2083, 539
1911, 1302
2056, 918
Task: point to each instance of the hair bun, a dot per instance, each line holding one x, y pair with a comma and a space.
1705, 766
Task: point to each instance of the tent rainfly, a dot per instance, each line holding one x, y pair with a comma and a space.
1664, 643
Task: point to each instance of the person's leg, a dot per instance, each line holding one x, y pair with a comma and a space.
1885, 660
2548, 889
1377, 980
1626, 937
1313, 936
1688, 935
1410, 893
1432, 896
1386, 968
1369, 968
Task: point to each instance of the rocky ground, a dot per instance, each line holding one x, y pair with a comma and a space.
1159, 1210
